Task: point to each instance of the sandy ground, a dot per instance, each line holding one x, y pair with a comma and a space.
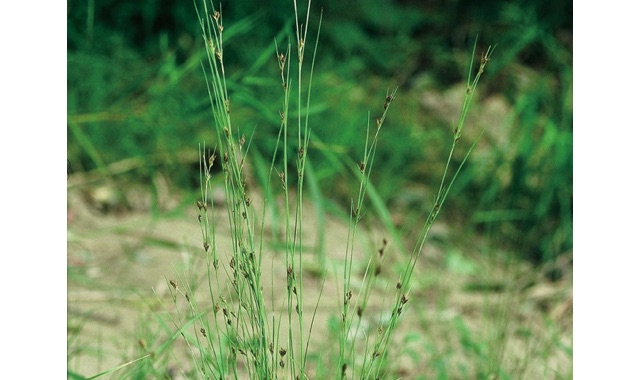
121, 259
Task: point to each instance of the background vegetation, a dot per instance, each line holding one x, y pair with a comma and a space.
136, 97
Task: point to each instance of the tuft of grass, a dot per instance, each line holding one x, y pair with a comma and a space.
243, 338
242, 331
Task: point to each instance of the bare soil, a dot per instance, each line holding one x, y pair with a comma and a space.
121, 258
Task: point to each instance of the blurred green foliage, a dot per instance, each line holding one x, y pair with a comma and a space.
136, 90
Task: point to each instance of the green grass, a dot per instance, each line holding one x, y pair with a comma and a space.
276, 143
142, 99
239, 341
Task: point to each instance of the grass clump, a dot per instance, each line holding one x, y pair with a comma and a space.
241, 331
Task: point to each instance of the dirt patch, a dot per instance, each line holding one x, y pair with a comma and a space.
465, 311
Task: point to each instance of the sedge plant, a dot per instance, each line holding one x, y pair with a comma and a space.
240, 331
243, 330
